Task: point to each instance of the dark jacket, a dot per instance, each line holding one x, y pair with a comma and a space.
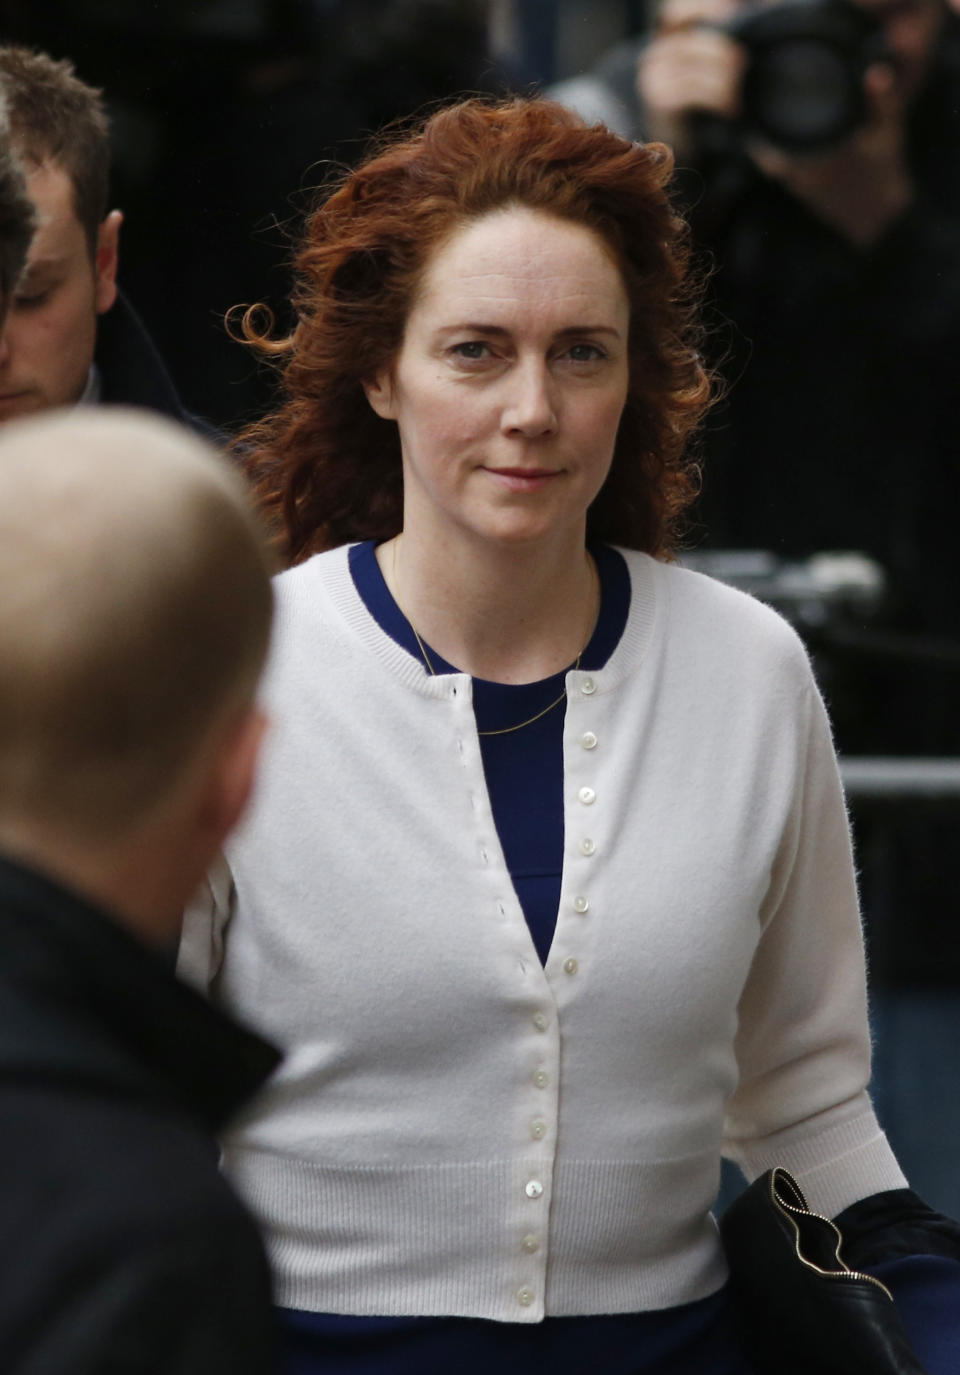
840, 430
122, 1248
132, 373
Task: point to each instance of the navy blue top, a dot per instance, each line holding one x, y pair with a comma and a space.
524, 776
523, 769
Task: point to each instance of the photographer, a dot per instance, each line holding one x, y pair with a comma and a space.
837, 293
862, 186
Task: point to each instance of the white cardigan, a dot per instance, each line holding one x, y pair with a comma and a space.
457, 1130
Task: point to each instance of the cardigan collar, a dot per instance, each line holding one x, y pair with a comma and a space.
330, 575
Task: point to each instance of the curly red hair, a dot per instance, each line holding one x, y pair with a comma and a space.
326, 467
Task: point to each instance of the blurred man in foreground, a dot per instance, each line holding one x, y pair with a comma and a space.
134, 618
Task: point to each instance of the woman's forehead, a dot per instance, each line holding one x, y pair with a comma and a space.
521, 255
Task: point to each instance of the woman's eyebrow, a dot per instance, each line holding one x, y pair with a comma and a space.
477, 327
588, 329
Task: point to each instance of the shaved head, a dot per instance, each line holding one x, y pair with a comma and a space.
134, 614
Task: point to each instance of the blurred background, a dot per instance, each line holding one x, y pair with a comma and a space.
829, 225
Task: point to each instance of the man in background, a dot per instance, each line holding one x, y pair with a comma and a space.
135, 611
71, 336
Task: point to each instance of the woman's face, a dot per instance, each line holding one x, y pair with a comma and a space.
510, 381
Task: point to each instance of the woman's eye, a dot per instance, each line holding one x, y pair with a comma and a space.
585, 353
472, 349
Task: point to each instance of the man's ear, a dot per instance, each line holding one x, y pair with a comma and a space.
108, 242
223, 787
380, 394
229, 782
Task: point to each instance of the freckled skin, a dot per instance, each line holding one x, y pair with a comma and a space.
47, 343
510, 382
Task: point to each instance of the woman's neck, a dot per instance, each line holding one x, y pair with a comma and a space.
511, 615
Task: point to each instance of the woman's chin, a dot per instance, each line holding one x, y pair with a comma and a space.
518, 529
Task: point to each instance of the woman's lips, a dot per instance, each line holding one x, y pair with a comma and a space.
523, 479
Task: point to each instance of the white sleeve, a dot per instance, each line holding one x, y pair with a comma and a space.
803, 1040
204, 927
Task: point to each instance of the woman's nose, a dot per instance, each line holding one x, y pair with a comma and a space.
530, 406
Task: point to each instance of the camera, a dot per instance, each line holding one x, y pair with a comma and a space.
803, 86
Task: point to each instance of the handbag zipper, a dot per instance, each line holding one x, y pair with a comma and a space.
800, 1208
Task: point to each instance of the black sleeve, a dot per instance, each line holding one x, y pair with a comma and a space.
206, 1312
196, 1303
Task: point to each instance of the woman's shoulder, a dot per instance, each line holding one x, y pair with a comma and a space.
703, 612
309, 618
302, 580
314, 593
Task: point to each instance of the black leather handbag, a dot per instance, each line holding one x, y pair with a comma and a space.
800, 1308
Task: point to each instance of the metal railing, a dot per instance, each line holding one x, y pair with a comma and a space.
825, 596
869, 778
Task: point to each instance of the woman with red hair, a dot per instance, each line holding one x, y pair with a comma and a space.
547, 889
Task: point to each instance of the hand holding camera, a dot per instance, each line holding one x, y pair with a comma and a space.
808, 88
691, 67
861, 186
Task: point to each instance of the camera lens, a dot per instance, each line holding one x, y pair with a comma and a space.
803, 94
803, 87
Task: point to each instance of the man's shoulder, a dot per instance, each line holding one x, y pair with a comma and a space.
133, 372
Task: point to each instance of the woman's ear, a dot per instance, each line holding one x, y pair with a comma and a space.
380, 393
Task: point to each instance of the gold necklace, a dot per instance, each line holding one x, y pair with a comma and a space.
506, 730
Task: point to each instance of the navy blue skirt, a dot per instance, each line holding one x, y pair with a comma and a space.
694, 1339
